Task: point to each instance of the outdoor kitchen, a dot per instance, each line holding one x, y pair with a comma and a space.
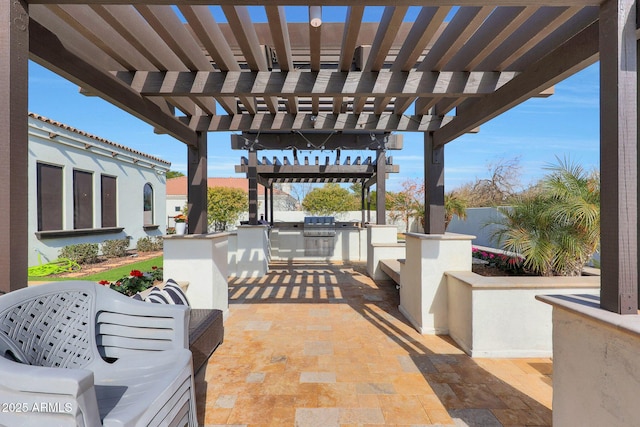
318, 238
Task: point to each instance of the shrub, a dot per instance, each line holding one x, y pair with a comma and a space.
82, 253
149, 244
556, 230
115, 248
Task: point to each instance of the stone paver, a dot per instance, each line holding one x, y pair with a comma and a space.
324, 345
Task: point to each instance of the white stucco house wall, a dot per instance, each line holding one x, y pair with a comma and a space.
86, 189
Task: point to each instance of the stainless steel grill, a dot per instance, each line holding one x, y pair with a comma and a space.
319, 235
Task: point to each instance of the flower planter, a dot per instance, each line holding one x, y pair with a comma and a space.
181, 228
500, 317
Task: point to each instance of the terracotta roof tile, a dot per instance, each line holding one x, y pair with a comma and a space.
178, 186
97, 138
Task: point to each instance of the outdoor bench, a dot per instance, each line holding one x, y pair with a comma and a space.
79, 354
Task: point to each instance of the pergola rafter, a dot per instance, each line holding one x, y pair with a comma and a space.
185, 62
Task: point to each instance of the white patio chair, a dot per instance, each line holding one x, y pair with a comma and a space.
80, 354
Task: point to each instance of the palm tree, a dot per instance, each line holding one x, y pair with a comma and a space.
454, 205
557, 229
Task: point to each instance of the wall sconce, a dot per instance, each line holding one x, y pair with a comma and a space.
315, 16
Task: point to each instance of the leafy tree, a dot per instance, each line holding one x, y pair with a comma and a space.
356, 189
225, 206
407, 203
557, 228
174, 174
329, 200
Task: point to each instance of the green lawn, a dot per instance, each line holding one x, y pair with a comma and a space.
110, 275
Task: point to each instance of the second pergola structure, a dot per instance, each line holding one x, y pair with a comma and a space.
322, 169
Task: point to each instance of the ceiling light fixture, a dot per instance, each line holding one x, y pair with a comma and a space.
315, 16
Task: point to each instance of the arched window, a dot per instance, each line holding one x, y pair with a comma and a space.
147, 202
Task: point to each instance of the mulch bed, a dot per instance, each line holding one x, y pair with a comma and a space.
491, 271
105, 264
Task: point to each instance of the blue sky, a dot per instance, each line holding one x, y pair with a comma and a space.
537, 131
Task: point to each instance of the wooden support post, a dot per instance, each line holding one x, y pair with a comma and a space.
197, 187
271, 203
252, 175
14, 143
266, 203
433, 186
369, 205
362, 198
381, 178
618, 157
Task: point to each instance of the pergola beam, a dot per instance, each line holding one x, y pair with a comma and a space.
339, 2
284, 122
308, 141
47, 50
335, 171
238, 17
325, 83
208, 32
280, 34
574, 55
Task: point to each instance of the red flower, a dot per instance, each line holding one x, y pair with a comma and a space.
104, 282
154, 268
136, 273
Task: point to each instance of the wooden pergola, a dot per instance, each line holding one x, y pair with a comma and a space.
450, 69
367, 172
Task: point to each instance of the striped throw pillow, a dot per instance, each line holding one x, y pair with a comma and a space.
170, 294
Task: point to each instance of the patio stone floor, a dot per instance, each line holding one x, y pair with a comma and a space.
324, 345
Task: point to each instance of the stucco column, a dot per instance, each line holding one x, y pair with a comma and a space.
382, 243
252, 251
595, 363
201, 260
14, 144
423, 285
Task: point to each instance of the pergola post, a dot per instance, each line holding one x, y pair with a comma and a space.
271, 203
14, 143
266, 202
252, 175
197, 186
381, 178
618, 157
369, 205
434, 221
362, 207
